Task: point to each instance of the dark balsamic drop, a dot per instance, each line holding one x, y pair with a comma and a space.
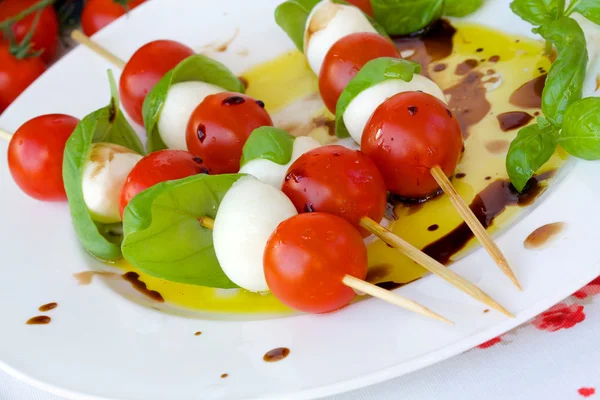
223, 376
466, 66
260, 103
494, 59
198, 333
134, 279
529, 95
543, 235
48, 307
197, 159
439, 67
412, 110
460, 175
486, 206
277, 354
513, 120
433, 228
233, 101
39, 320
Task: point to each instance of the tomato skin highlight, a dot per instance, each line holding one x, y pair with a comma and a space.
345, 58
306, 259
35, 155
99, 13
144, 69
45, 35
364, 5
157, 167
219, 127
409, 134
336, 180
16, 75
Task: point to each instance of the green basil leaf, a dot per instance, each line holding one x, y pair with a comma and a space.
401, 17
588, 8
106, 125
580, 135
461, 8
268, 143
194, 68
538, 12
373, 72
564, 83
163, 236
529, 151
291, 16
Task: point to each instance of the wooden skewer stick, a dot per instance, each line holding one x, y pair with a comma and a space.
430, 264
369, 288
5, 135
473, 223
391, 297
81, 38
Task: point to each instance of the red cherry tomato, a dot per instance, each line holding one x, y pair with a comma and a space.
160, 166
144, 69
364, 5
219, 128
45, 34
306, 259
35, 155
345, 58
339, 181
409, 134
16, 74
99, 13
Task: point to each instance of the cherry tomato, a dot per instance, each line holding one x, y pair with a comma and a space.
45, 34
144, 69
409, 134
35, 155
16, 74
345, 58
99, 13
306, 259
339, 181
157, 167
364, 5
219, 128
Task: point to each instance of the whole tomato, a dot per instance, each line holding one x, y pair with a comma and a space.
99, 13
17, 72
45, 33
219, 127
35, 155
144, 69
407, 135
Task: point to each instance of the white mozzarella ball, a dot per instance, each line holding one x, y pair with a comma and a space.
327, 23
182, 99
272, 173
248, 214
103, 177
361, 108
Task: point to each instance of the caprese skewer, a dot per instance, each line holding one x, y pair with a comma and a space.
415, 158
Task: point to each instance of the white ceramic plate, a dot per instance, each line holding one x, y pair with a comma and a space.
101, 345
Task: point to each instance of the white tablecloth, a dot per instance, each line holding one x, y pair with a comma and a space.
554, 356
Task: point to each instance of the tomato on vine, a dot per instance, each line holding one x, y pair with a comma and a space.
44, 36
19, 67
99, 13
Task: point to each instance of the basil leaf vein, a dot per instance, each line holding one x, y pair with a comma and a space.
163, 236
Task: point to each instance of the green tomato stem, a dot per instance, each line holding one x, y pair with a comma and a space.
37, 6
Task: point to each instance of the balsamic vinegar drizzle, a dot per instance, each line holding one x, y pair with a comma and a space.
276, 354
487, 205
